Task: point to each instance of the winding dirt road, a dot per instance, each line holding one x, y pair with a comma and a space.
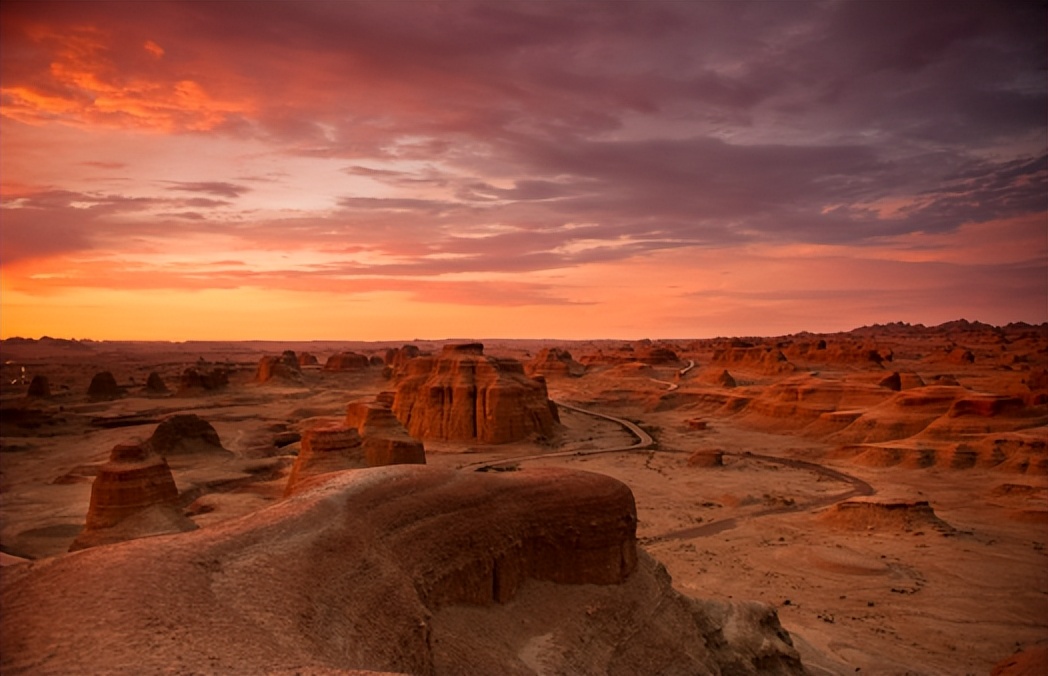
643, 441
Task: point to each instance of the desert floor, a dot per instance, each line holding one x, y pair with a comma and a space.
953, 593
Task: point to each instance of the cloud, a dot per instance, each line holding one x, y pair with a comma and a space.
219, 188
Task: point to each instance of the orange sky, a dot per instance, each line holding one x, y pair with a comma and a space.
379, 171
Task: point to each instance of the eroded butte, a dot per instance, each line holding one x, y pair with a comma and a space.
869, 502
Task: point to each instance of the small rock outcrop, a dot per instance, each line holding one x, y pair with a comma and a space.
347, 361
552, 362
465, 395
183, 434
39, 386
134, 495
370, 436
397, 357
155, 384
285, 367
103, 386
706, 458
307, 359
194, 380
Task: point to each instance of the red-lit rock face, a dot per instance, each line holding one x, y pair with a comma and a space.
464, 395
134, 495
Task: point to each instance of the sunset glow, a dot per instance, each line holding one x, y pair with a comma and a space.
391, 170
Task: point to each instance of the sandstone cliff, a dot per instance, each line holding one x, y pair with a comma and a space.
465, 395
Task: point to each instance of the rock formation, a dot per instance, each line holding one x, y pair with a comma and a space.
193, 380
656, 355
762, 359
285, 367
465, 395
706, 458
389, 569
39, 386
877, 514
347, 361
397, 357
307, 359
385, 441
553, 361
155, 384
134, 495
370, 436
183, 434
103, 386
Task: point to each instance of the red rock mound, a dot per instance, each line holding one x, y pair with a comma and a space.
193, 380
347, 361
39, 386
155, 384
761, 359
285, 367
465, 395
103, 386
134, 495
400, 569
183, 434
553, 361
370, 436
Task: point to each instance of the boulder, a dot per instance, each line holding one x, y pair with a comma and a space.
134, 495
183, 434
103, 386
347, 361
39, 386
465, 395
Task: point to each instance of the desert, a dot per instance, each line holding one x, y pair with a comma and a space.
874, 501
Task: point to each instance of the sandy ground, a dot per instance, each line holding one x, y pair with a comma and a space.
921, 597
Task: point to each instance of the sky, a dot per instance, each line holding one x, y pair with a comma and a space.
573, 170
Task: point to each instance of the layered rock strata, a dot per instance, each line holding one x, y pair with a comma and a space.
465, 395
370, 436
388, 569
134, 495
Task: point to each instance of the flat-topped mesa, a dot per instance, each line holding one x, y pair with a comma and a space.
183, 434
347, 361
134, 495
285, 367
553, 361
385, 441
370, 436
465, 395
